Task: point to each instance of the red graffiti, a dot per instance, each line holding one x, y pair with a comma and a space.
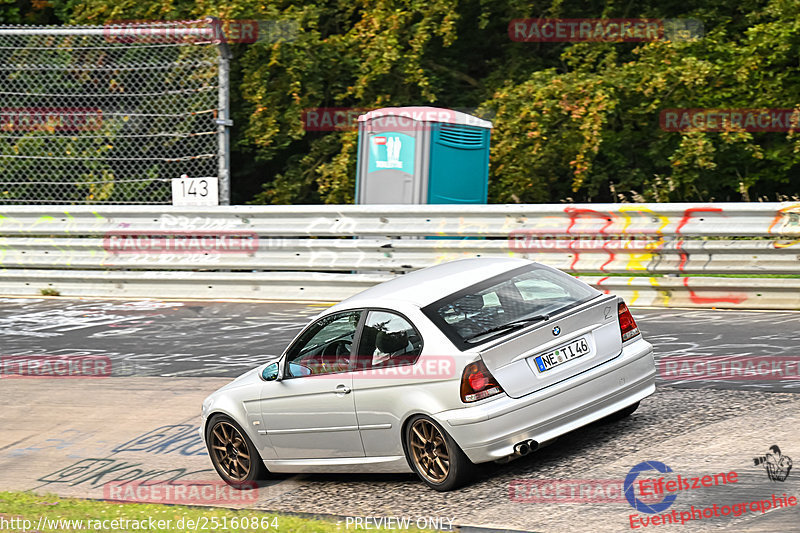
731, 298
683, 254
600, 285
691, 211
576, 212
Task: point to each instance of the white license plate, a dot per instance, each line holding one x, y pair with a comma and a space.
561, 355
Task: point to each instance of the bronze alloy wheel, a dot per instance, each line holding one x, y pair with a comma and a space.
230, 451
429, 451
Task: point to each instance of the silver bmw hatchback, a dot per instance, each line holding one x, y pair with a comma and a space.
466, 362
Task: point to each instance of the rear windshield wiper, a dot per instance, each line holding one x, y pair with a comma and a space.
509, 325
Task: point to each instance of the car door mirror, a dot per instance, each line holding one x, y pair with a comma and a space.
270, 372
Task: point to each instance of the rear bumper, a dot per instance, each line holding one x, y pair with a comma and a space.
489, 431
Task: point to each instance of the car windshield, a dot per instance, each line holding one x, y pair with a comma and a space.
503, 303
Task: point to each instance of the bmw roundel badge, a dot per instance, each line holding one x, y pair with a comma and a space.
556, 331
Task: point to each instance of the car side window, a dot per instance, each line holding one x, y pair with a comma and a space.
325, 347
388, 340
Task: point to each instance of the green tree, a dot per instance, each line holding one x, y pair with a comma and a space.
572, 120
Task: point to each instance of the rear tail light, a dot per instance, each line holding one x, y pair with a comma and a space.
478, 383
627, 325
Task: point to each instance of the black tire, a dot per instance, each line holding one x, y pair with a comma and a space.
622, 413
230, 462
447, 466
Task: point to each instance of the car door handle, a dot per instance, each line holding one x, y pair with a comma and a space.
342, 389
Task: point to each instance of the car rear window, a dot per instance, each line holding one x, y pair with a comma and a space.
467, 316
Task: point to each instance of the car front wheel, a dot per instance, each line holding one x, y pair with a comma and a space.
233, 454
435, 456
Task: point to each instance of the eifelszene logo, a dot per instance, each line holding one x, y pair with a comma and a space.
630, 495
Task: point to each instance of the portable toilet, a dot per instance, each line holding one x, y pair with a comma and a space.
422, 155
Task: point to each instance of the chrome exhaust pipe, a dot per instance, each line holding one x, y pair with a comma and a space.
525, 447
522, 448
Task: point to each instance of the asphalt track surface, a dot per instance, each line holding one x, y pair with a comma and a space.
166, 356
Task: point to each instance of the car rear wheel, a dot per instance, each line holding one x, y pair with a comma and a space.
233, 454
435, 456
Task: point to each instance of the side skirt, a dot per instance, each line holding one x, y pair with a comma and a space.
395, 464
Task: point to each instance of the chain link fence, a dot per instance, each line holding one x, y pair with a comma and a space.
109, 114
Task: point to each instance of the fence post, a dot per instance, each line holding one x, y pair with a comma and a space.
224, 121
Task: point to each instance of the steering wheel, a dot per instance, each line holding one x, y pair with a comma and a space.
341, 350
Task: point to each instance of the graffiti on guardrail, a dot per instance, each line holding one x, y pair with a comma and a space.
59, 223
168, 221
666, 291
640, 219
601, 239
786, 221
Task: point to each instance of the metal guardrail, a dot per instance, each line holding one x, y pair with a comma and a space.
671, 253
686, 220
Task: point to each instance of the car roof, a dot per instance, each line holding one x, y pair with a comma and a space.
425, 286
